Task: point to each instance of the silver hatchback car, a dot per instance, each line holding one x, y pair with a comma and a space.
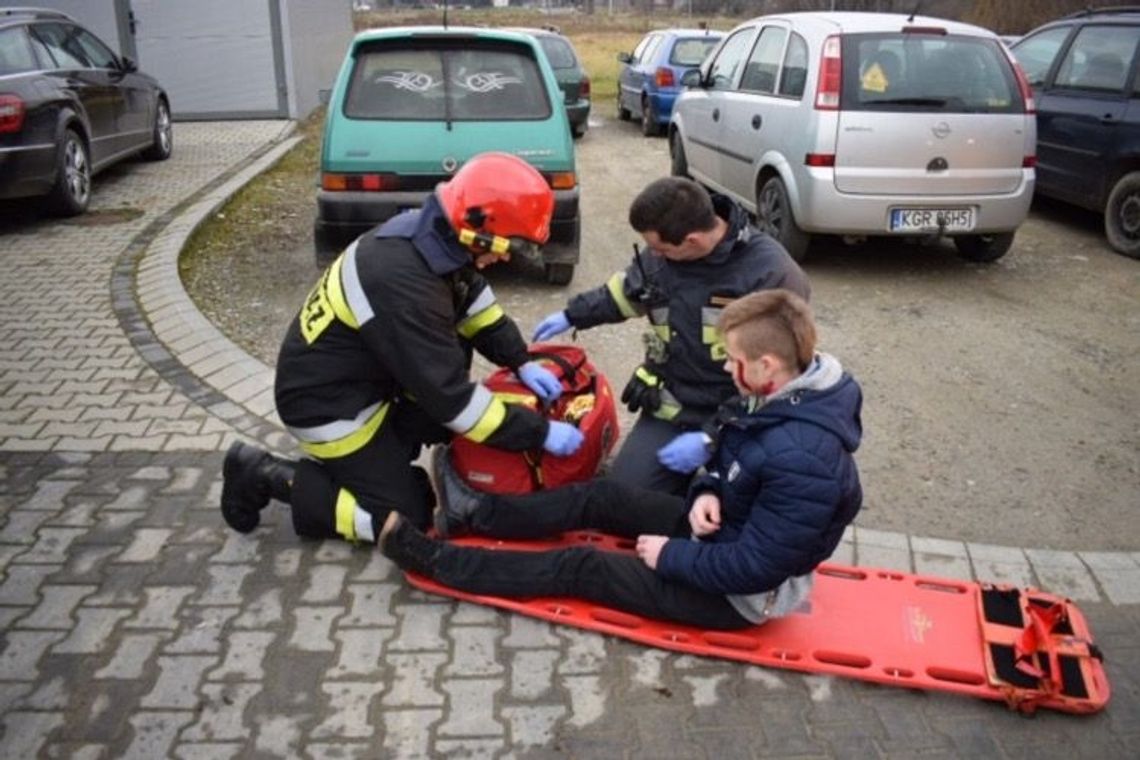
862, 124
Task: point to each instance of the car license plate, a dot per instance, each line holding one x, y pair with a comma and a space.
932, 219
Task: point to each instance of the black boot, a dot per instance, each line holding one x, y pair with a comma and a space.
250, 478
457, 500
407, 547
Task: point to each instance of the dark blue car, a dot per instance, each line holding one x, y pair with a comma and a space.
650, 76
1083, 72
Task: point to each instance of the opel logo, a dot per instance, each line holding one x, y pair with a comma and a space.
449, 164
941, 130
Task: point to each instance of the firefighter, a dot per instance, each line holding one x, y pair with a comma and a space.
376, 363
702, 254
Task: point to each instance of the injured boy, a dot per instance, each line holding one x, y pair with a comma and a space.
779, 490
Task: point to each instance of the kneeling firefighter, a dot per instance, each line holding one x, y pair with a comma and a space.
377, 362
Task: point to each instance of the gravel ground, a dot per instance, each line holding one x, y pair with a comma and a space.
1000, 400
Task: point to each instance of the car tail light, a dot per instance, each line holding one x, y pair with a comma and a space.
1023, 85
830, 75
1029, 162
584, 87
664, 77
562, 180
820, 159
359, 182
12, 112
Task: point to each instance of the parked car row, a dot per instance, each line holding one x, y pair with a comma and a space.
69, 108
876, 124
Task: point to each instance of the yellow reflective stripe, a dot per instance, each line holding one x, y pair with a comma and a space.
489, 422
662, 332
616, 286
667, 411
335, 291
709, 334
469, 327
346, 515
647, 377
522, 399
354, 441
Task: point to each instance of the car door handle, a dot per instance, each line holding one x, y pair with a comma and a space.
716, 114
756, 121
1108, 118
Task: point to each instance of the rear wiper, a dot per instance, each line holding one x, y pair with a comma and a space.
446, 73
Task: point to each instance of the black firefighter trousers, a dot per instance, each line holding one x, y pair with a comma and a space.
618, 581
380, 477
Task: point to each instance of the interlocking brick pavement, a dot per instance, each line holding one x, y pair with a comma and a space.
133, 624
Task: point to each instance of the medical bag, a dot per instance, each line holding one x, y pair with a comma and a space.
586, 402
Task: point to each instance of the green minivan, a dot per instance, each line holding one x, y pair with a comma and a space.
411, 104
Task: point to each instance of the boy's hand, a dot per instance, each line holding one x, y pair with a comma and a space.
704, 516
649, 549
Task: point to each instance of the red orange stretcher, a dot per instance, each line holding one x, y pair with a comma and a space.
1027, 648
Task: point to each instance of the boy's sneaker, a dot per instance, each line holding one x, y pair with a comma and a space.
406, 546
457, 500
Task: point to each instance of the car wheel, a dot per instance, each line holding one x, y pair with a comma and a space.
678, 164
163, 144
72, 189
578, 130
559, 274
649, 126
983, 248
623, 112
326, 247
1122, 216
774, 216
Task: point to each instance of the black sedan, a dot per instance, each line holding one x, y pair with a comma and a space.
70, 107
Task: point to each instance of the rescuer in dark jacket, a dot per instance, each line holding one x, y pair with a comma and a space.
703, 254
376, 363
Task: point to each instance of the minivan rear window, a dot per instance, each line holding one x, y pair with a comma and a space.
446, 81
927, 73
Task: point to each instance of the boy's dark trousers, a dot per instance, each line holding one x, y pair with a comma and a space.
619, 581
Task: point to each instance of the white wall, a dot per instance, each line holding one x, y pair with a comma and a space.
317, 34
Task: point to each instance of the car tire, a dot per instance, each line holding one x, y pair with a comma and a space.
774, 216
577, 131
622, 112
71, 192
678, 163
559, 274
326, 247
1122, 216
983, 248
649, 126
163, 137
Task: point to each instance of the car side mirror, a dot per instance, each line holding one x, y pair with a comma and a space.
625, 57
128, 65
691, 78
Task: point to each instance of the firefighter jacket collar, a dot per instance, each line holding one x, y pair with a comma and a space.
431, 236
739, 230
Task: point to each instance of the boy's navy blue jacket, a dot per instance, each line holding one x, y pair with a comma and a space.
788, 486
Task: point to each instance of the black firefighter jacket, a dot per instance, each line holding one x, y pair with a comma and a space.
393, 320
683, 300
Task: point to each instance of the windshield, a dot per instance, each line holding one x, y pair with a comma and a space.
925, 72
436, 82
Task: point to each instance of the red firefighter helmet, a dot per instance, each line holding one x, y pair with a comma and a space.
500, 195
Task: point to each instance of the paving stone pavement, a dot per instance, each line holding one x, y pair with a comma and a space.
134, 625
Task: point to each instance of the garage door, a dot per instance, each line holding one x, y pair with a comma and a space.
216, 58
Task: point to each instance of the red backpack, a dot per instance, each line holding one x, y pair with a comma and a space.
586, 401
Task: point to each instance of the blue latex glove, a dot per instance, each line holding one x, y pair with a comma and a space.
553, 324
562, 439
685, 453
540, 380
